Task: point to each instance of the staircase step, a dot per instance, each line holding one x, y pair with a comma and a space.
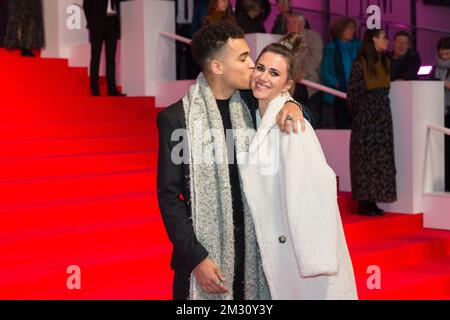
42, 220
28, 148
32, 258
356, 226
423, 281
68, 166
140, 278
23, 109
79, 130
59, 190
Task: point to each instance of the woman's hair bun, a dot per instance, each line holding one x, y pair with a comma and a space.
292, 41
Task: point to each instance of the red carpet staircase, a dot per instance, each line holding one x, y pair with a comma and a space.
77, 187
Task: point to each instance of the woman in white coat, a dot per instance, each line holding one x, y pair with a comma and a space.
291, 192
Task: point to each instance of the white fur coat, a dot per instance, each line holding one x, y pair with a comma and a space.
292, 195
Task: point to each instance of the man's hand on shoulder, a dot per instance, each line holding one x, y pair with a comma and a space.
289, 116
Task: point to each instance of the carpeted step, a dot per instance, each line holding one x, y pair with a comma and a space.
28, 148
397, 251
15, 170
357, 227
35, 221
140, 278
58, 190
78, 130
426, 280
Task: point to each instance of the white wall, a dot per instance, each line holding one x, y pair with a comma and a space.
58, 36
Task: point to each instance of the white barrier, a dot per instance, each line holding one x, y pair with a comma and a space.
147, 58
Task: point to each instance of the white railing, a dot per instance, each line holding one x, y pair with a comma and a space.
307, 83
176, 37
441, 129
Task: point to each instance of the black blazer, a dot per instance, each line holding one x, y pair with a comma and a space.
173, 187
95, 11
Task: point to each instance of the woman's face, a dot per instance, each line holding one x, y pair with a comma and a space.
381, 42
282, 6
349, 32
444, 54
270, 77
222, 5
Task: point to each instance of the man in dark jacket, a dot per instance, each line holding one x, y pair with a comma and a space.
103, 18
405, 62
174, 179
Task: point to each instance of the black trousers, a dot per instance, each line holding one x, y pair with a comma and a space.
342, 114
109, 35
447, 153
313, 103
187, 68
3, 20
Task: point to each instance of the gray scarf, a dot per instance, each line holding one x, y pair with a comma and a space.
212, 210
442, 72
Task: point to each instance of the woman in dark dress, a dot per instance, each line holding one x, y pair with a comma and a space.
25, 29
372, 162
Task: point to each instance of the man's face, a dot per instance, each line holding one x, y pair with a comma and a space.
222, 5
401, 45
294, 24
349, 32
237, 64
444, 54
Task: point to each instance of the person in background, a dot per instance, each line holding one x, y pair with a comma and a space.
25, 27
3, 20
219, 10
280, 24
372, 161
405, 63
103, 22
338, 56
442, 72
309, 58
251, 14
200, 11
186, 66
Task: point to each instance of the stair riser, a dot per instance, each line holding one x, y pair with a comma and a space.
66, 147
16, 170
60, 190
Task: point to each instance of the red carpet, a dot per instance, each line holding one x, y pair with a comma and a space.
77, 187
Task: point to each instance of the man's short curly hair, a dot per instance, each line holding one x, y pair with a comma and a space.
210, 39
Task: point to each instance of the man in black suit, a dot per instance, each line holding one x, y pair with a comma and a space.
405, 62
103, 18
189, 256
3, 19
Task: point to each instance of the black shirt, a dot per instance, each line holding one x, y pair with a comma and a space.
238, 211
406, 67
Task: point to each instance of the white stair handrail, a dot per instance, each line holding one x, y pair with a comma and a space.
441, 129
176, 37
